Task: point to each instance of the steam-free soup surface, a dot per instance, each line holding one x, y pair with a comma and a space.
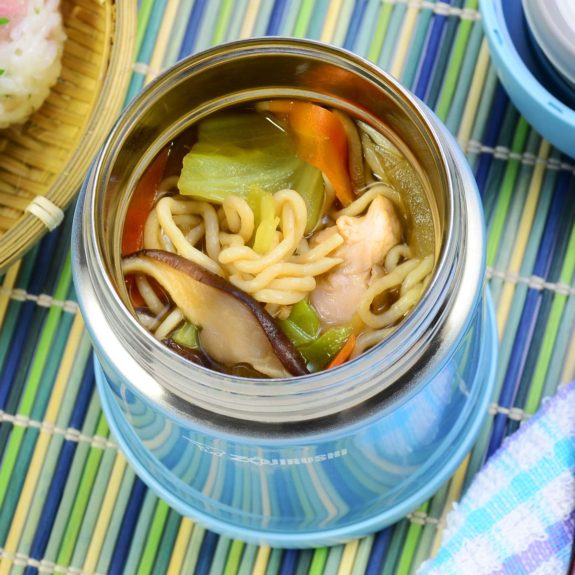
277, 240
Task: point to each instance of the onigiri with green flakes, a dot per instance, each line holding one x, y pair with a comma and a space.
31, 44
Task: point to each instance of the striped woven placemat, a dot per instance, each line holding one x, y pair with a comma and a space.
68, 501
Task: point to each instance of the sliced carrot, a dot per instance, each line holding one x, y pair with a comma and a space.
321, 140
344, 353
141, 203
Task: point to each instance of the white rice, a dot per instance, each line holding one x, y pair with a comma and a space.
30, 60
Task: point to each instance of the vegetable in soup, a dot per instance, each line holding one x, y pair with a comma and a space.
277, 240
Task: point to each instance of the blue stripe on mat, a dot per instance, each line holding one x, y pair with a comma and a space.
206, 553
276, 17
192, 29
354, 24
378, 552
127, 528
431, 50
491, 131
289, 562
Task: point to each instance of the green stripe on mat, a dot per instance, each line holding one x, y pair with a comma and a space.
564, 337
410, 543
499, 167
318, 562
234, 557
223, 21
303, 18
452, 26
304, 561
380, 33
153, 539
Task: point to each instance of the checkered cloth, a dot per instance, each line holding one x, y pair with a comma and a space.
518, 515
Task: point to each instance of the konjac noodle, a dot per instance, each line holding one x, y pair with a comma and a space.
277, 240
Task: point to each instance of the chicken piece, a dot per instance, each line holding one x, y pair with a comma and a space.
367, 239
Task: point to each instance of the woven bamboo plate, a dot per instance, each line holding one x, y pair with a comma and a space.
43, 162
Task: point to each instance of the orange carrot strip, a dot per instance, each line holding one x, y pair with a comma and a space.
141, 204
321, 140
344, 353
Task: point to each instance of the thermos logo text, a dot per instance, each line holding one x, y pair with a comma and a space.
254, 460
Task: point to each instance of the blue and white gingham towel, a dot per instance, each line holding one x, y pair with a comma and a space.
518, 516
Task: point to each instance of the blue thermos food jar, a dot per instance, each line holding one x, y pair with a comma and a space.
316, 459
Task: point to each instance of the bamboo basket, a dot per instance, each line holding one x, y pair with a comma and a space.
43, 162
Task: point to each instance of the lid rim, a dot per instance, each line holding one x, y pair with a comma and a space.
551, 117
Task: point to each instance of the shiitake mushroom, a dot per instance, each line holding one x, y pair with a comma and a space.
234, 328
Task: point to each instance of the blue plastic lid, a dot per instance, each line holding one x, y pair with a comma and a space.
527, 82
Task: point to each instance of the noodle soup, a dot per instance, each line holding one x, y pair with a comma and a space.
277, 239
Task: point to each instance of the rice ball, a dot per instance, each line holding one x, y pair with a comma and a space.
31, 44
